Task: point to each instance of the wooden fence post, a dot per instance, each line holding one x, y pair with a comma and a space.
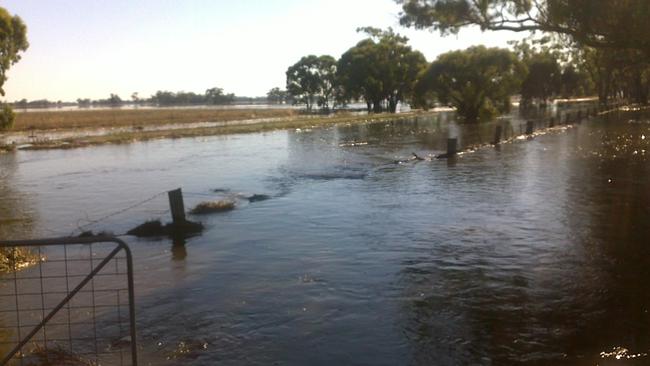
529, 127
177, 206
497, 135
452, 145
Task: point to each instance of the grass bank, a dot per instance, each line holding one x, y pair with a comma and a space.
50, 120
282, 119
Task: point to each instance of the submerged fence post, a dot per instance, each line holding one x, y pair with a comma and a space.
529, 127
452, 145
497, 135
177, 206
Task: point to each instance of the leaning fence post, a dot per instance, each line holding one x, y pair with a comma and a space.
497, 135
529, 127
177, 206
452, 144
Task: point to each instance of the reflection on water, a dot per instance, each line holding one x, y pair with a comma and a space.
534, 252
16, 216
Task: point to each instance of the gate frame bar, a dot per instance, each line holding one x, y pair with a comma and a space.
121, 245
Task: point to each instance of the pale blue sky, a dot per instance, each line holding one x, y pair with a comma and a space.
91, 48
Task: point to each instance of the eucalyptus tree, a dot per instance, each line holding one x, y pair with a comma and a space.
619, 24
312, 80
380, 69
13, 41
614, 35
217, 96
544, 77
543, 81
277, 96
478, 82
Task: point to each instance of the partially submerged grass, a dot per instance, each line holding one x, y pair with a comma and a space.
149, 229
234, 128
58, 356
48, 120
7, 148
155, 228
258, 198
16, 258
209, 207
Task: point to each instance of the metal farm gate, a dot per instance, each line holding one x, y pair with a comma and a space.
67, 301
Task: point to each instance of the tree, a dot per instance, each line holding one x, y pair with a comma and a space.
598, 23
380, 69
544, 79
328, 81
7, 117
312, 80
478, 82
114, 100
615, 73
575, 82
216, 96
277, 96
13, 41
83, 102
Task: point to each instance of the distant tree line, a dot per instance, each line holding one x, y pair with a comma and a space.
212, 96
383, 70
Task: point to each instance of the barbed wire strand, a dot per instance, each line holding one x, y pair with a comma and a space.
82, 228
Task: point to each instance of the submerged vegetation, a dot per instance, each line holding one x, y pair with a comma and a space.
139, 117
294, 121
59, 356
16, 259
209, 207
155, 228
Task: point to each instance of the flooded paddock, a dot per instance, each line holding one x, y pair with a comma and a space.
532, 252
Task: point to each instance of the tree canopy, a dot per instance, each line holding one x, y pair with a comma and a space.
312, 80
277, 96
381, 68
596, 23
543, 80
478, 82
13, 41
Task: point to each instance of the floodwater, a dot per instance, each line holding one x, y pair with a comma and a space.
533, 252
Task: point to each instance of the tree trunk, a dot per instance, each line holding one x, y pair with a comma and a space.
377, 108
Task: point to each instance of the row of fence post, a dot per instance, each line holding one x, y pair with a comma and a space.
569, 117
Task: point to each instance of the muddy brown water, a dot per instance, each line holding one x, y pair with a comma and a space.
534, 252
